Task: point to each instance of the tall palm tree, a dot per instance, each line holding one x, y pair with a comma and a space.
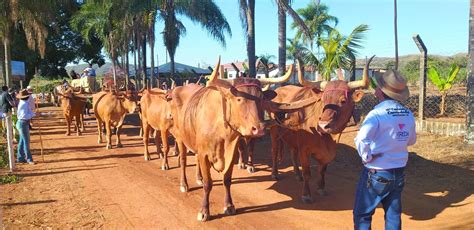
247, 18
204, 12
318, 20
283, 8
32, 17
339, 50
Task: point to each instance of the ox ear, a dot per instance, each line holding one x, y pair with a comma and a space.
269, 94
357, 95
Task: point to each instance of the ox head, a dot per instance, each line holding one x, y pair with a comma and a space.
338, 98
129, 100
244, 101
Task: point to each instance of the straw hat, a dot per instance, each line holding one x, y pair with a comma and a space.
22, 94
393, 84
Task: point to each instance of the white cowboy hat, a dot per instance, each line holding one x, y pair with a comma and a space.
393, 84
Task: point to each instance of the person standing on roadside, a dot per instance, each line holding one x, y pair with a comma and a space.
382, 144
24, 114
6, 105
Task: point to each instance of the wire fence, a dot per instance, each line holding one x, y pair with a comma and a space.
454, 111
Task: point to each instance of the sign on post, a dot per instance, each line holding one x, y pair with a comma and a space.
18, 71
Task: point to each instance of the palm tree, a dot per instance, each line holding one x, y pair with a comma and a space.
265, 60
340, 50
31, 16
204, 12
247, 18
318, 20
469, 138
283, 8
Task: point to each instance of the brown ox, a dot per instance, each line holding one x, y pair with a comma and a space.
156, 113
311, 131
110, 109
72, 106
210, 121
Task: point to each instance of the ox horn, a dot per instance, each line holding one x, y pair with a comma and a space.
276, 80
364, 82
173, 84
316, 84
213, 77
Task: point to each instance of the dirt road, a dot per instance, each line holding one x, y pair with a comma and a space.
81, 184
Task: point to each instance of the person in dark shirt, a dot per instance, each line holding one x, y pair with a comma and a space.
6, 101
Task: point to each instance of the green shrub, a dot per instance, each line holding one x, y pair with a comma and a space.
9, 179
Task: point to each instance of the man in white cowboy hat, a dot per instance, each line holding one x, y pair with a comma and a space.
24, 115
382, 144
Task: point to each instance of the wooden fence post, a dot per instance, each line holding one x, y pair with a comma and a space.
423, 63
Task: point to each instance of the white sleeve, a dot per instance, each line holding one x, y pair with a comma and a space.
366, 136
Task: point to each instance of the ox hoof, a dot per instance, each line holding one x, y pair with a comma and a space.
67, 134
307, 199
230, 210
241, 166
119, 145
165, 167
183, 188
99, 141
199, 182
108, 147
174, 154
322, 192
203, 216
250, 169
147, 157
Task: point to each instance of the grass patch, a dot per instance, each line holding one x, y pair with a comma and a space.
3, 156
9, 179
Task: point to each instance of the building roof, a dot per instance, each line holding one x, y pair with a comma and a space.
181, 68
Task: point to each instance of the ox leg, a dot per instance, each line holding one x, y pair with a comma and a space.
241, 149
165, 149
250, 151
82, 123
117, 134
199, 180
321, 180
68, 121
108, 135
146, 139
99, 128
229, 208
305, 163
294, 160
158, 143
203, 214
78, 122
183, 186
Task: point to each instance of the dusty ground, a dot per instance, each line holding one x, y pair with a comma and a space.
83, 185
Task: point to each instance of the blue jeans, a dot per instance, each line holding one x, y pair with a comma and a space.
24, 143
379, 186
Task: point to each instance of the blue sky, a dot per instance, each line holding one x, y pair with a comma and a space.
443, 25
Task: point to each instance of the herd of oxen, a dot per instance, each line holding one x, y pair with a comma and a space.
218, 121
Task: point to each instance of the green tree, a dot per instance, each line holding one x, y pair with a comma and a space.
204, 12
339, 50
443, 83
265, 60
318, 20
32, 17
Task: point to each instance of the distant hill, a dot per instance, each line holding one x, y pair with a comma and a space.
382, 62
